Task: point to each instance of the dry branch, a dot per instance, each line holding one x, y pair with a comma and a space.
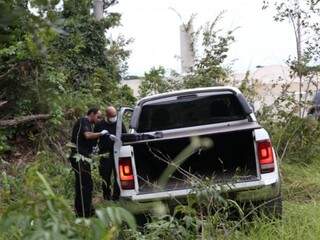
8, 71
3, 103
23, 120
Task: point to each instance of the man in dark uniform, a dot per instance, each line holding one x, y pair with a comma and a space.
83, 140
106, 146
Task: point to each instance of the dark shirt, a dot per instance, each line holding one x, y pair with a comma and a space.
105, 143
84, 145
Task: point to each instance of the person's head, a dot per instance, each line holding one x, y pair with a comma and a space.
94, 115
111, 114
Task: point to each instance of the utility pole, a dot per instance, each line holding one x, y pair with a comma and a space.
296, 23
98, 9
299, 56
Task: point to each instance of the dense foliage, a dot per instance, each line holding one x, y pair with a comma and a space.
56, 59
52, 57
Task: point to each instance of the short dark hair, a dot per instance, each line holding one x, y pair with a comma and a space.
93, 110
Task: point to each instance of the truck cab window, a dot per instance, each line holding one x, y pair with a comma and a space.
190, 112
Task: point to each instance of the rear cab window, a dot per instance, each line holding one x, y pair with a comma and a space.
189, 111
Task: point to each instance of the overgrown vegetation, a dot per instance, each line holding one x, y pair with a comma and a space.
51, 58
57, 61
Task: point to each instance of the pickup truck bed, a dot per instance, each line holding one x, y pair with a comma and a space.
231, 159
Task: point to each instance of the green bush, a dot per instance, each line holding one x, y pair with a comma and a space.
39, 206
297, 140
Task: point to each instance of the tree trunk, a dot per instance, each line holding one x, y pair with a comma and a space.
299, 59
24, 119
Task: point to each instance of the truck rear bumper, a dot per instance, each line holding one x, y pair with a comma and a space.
265, 188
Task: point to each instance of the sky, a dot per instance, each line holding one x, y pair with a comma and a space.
154, 27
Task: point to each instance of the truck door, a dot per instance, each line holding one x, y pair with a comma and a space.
124, 157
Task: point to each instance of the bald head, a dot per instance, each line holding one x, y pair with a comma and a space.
111, 111
111, 114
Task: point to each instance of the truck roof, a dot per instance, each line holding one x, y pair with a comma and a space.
188, 91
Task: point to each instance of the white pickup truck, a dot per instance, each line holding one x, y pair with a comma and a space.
241, 158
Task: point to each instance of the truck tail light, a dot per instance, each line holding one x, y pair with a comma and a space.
265, 154
126, 173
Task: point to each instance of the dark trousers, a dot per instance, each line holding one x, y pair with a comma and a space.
83, 188
106, 168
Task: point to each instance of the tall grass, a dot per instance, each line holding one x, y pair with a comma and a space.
300, 221
301, 207
38, 206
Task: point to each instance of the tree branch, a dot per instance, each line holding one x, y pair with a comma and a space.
3, 103
23, 120
8, 71
109, 3
315, 2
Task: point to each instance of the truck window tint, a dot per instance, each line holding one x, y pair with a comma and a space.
190, 112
